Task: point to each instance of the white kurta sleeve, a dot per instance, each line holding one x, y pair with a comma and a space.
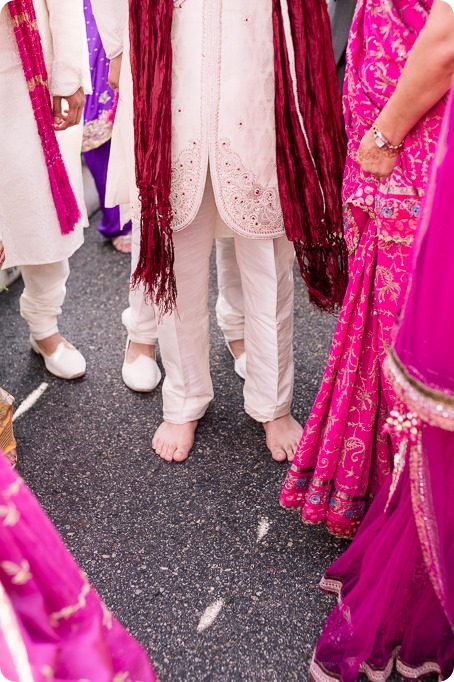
70, 66
111, 19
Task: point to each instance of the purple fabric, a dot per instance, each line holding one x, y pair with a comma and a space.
396, 581
97, 161
98, 127
387, 598
69, 634
102, 98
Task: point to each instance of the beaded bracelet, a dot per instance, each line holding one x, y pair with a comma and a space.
381, 141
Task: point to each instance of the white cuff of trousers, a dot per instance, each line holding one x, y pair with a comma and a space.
141, 329
183, 410
280, 411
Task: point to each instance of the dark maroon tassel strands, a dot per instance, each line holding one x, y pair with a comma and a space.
151, 61
311, 161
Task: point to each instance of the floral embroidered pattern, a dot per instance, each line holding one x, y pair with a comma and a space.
185, 184
97, 132
344, 442
9, 514
69, 611
19, 573
253, 209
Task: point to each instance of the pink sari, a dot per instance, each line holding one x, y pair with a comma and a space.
53, 626
395, 583
344, 457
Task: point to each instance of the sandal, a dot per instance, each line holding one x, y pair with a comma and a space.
123, 243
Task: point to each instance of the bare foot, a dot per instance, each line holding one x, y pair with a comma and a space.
136, 349
236, 348
50, 345
11, 456
123, 243
282, 437
173, 442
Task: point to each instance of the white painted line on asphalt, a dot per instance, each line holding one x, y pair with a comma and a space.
209, 615
262, 530
30, 401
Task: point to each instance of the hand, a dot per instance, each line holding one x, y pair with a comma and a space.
73, 114
373, 160
114, 72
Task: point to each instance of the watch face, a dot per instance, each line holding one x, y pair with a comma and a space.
379, 141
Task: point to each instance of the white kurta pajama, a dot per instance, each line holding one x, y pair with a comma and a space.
223, 171
29, 227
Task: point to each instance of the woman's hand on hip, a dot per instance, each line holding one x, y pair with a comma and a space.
374, 160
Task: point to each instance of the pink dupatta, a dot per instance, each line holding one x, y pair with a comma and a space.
31, 53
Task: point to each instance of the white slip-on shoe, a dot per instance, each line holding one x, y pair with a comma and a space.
239, 362
142, 375
66, 362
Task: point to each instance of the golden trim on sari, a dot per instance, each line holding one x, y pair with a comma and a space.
432, 406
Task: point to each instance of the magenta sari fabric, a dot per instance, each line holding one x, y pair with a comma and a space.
396, 581
53, 625
344, 457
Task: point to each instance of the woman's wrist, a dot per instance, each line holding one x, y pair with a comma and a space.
392, 133
383, 144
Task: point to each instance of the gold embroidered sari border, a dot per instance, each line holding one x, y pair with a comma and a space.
433, 407
318, 673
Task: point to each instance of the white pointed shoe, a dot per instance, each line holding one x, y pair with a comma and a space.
239, 362
66, 362
141, 375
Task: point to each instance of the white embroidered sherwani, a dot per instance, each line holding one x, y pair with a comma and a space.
218, 118
29, 227
223, 120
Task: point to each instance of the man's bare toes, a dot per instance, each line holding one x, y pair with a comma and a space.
169, 452
290, 454
279, 455
180, 456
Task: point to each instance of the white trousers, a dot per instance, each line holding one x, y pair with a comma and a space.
43, 296
230, 301
140, 319
266, 271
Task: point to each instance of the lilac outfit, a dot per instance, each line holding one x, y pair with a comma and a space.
98, 117
53, 626
396, 583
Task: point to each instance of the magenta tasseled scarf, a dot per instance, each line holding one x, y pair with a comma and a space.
32, 56
310, 146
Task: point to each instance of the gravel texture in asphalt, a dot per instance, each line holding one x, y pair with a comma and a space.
198, 560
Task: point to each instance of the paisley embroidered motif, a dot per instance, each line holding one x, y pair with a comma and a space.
255, 210
185, 184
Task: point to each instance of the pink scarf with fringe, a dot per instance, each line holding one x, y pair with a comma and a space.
310, 146
31, 53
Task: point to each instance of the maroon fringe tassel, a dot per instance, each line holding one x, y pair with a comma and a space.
151, 62
310, 172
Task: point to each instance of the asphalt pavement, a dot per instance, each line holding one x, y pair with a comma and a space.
198, 560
